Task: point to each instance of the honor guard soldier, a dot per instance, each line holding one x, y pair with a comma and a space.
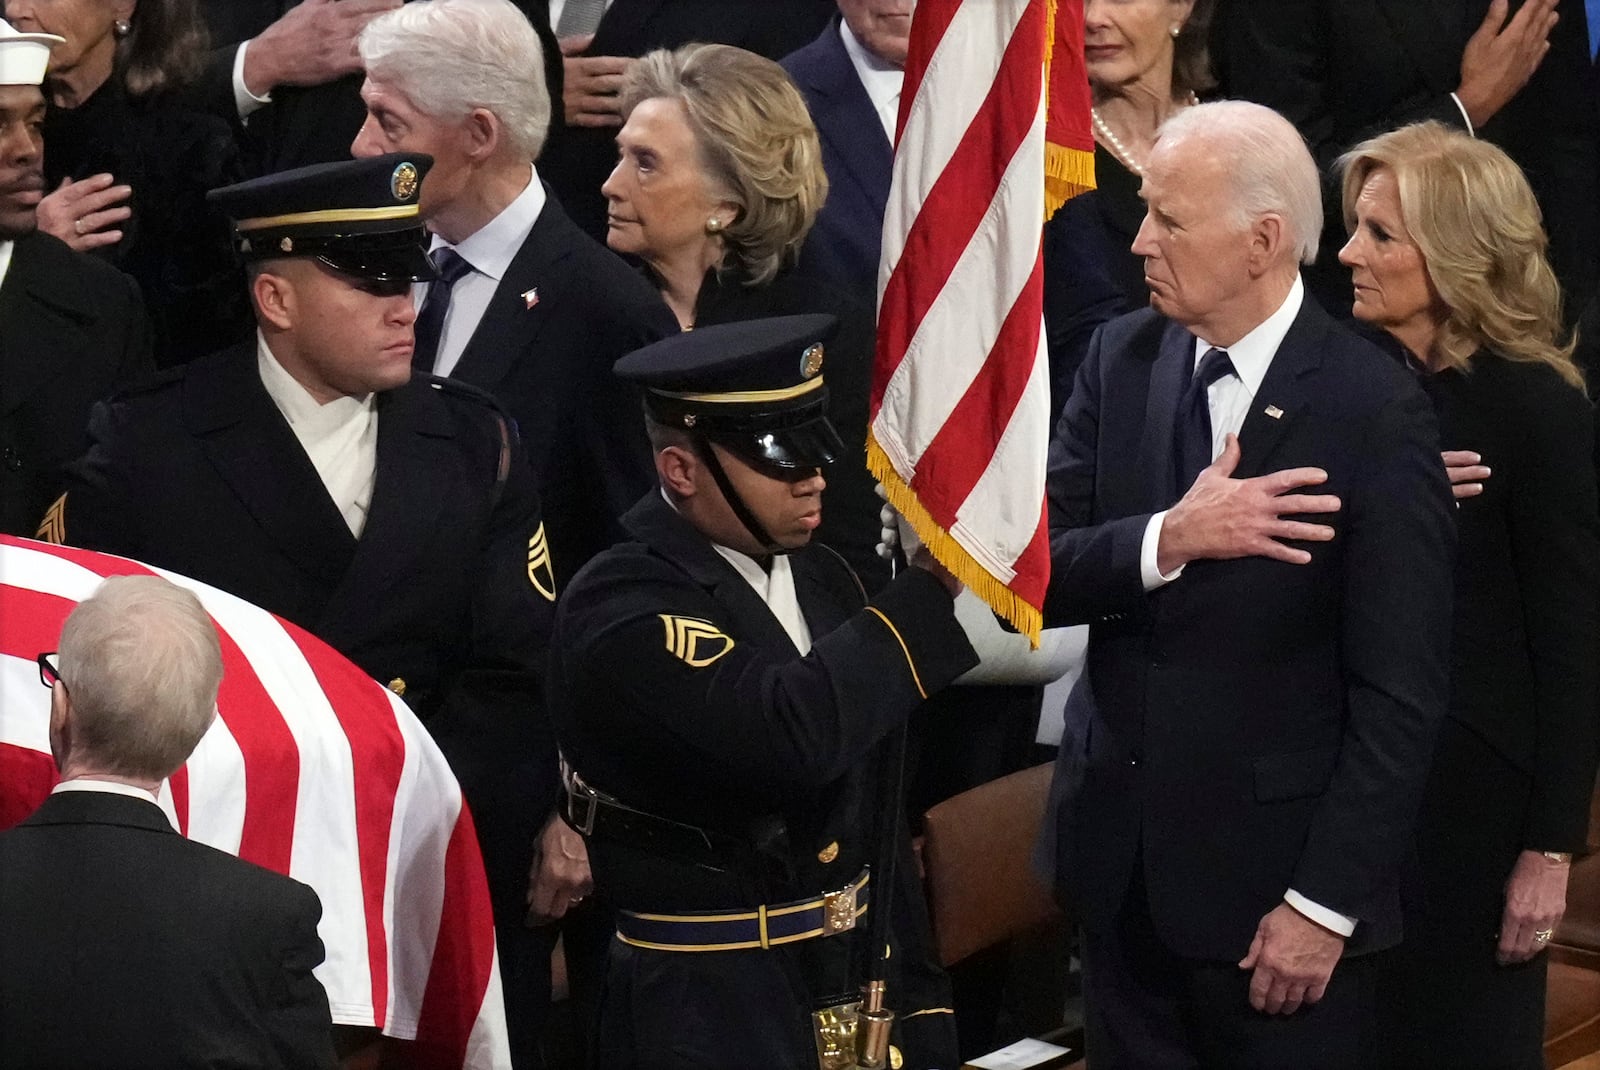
393, 517
720, 687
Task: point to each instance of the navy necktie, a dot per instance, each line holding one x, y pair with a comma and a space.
430, 321
1192, 442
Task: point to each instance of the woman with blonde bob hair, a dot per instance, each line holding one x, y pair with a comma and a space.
1447, 254
718, 180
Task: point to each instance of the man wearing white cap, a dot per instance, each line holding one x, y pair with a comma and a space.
71, 327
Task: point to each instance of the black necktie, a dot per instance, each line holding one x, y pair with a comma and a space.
430, 321
1192, 442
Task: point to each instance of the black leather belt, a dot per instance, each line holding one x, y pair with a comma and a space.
594, 813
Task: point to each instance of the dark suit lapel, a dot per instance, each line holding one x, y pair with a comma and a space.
1171, 372
622, 23
414, 459
1282, 398
657, 525
1432, 33
520, 306
38, 303
253, 449
850, 124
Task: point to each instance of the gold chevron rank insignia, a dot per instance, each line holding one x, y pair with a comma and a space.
540, 572
53, 528
696, 642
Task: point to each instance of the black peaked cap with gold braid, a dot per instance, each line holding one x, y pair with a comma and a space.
755, 387
360, 217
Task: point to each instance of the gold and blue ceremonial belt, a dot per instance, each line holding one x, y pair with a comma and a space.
765, 926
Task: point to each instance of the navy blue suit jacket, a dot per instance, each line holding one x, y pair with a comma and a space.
1255, 726
844, 242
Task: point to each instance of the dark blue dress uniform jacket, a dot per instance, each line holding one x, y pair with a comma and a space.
199, 473
760, 745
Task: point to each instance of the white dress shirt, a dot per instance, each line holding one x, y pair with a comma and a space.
489, 251
244, 101
882, 80
1229, 400
108, 787
775, 586
6, 248
340, 437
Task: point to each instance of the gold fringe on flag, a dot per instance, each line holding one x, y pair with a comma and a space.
1067, 173
1025, 618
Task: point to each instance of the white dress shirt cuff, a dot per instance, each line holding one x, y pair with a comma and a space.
1464, 116
1149, 572
1328, 919
244, 100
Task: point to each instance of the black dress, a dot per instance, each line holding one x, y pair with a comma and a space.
175, 245
1090, 272
1515, 761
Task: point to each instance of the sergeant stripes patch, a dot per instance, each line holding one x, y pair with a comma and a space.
53, 528
692, 640
540, 572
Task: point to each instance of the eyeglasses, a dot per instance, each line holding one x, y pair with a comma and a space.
50, 669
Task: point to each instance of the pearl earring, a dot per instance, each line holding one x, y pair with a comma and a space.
1176, 30
121, 28
713, 225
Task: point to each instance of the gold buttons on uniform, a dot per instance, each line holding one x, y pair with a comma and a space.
828, 853
398, 686
896, 1060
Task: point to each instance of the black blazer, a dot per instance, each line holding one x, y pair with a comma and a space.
199, 473
127, 945
72, 329
844, 243
311, 124
1524, 675
1256, 726
550, 366
577, 160
1343, 70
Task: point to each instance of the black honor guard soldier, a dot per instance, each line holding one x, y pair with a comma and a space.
720, 687
393, 517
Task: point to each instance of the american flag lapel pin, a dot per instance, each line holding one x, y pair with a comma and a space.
530, 297
1274, 412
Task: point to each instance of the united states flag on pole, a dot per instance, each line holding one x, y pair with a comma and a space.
311, 769
994, 133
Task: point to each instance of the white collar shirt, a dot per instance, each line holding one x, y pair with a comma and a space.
107, 787
1230, 397
775, 586
489, 251
882, 80
340, 437
6, 249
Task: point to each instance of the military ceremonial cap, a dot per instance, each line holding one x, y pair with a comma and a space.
24, 56
755, 387
358, 216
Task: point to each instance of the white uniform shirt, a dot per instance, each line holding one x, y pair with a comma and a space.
881, 80
340, 437
775, 586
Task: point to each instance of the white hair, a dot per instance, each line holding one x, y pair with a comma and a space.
141, 664
1270, 168
451, 56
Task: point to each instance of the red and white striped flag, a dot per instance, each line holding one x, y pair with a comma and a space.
961, 395
311, 769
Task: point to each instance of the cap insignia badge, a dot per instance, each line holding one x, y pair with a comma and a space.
697, 643
811, 361
403, 183
286, 245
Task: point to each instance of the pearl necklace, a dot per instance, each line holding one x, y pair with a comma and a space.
1114, 144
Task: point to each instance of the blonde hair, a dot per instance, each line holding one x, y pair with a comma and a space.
1473, 216
758, 146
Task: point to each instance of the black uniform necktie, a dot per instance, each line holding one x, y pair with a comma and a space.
430, 321
1192, 443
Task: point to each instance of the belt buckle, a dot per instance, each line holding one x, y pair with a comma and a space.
839, 910
579, 792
